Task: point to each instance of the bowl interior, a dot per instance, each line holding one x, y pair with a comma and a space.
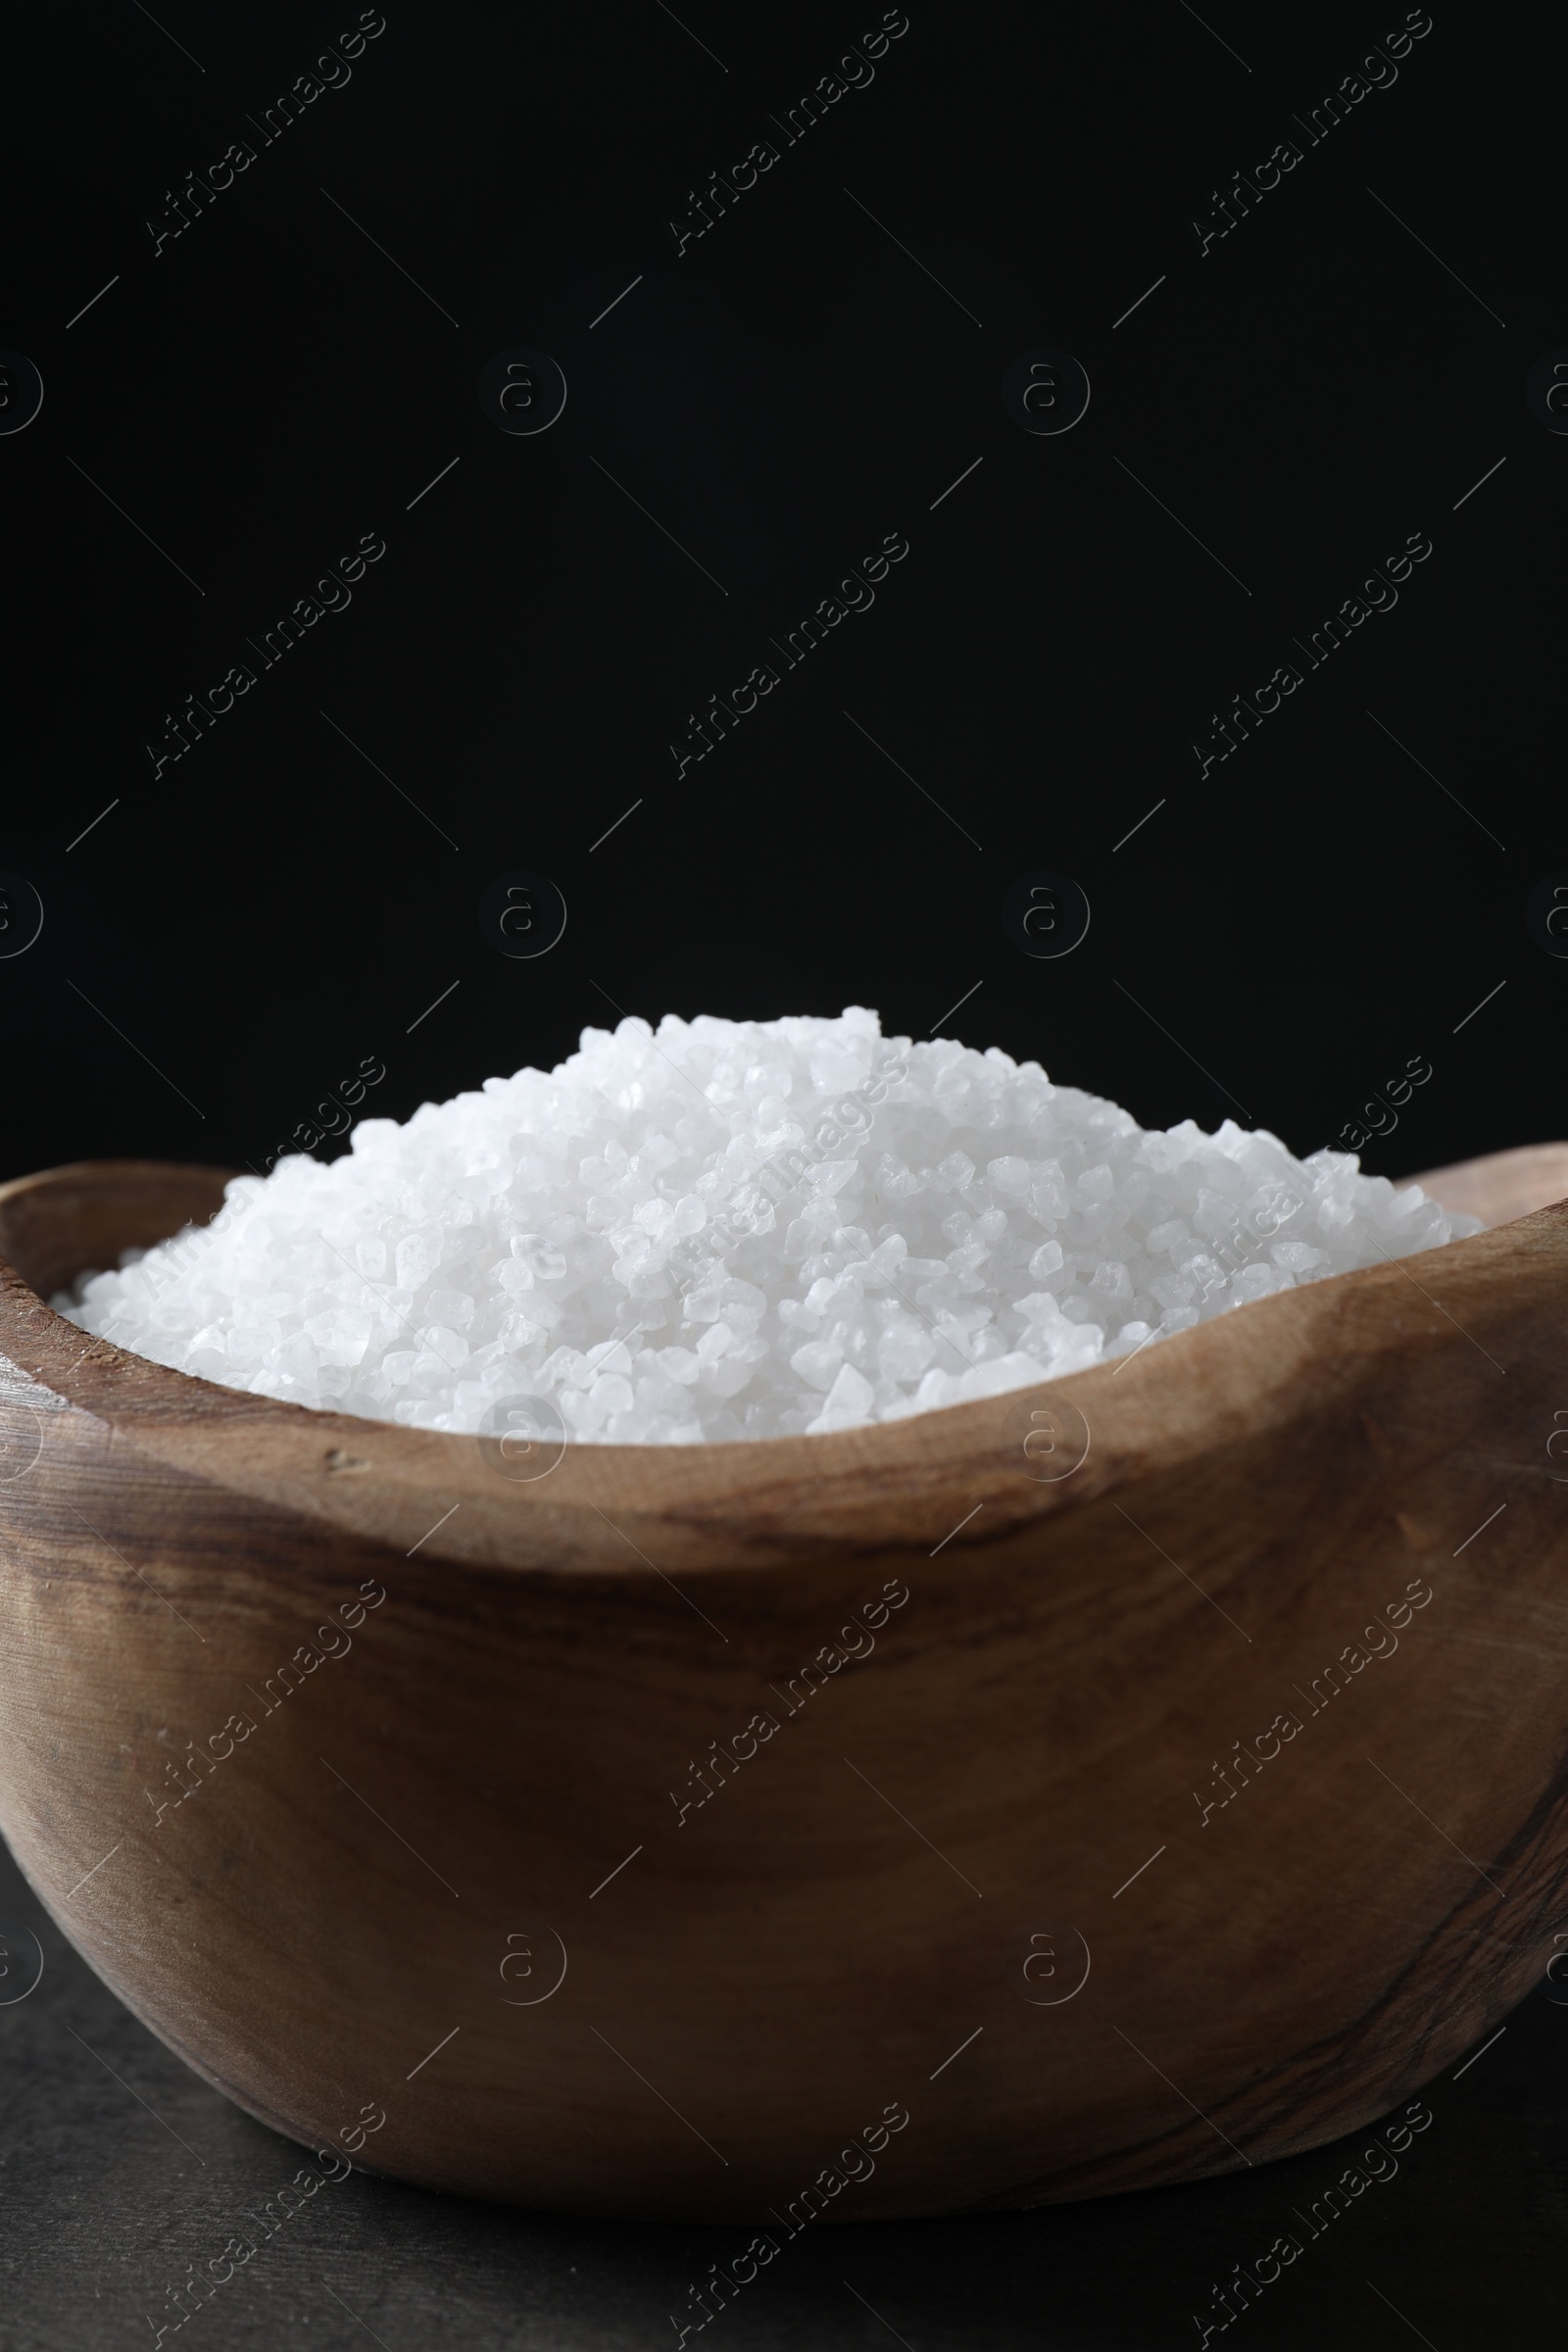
75, 1220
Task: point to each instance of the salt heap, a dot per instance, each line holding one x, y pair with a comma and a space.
740, 1229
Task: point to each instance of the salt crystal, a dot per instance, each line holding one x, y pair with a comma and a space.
740, 1229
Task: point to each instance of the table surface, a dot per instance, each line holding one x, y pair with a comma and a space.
120, 2168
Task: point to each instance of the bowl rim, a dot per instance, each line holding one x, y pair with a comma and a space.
719, 1502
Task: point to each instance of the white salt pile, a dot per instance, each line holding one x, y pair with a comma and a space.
723, 1230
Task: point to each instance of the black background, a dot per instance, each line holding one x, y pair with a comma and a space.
1285, 933
787, 390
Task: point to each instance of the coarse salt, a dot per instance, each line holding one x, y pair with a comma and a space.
739, 1229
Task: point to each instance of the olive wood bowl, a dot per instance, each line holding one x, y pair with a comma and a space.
1179, 1779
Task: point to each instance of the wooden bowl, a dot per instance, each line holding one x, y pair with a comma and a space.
1169, 1781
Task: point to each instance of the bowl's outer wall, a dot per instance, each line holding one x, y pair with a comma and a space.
361, 1910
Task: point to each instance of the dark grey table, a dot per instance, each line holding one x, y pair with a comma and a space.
120, 2170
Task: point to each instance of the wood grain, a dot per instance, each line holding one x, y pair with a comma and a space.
1079, 1667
